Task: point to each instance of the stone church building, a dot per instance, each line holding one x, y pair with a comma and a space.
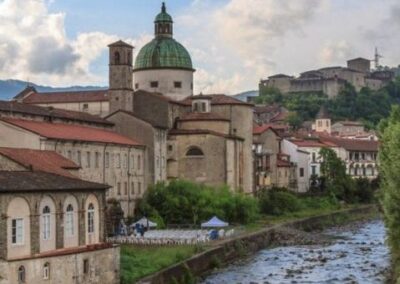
150, 99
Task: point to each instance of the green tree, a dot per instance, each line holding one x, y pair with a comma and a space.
389, 160
294, 120
333, 171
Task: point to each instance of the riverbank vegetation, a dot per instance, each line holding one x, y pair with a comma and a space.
389, 159
137, 262
183, 202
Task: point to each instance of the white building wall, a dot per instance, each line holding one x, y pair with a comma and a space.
165, 79
302, 159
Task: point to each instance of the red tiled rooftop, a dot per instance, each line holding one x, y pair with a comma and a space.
218, 99
47, 112
311, 143
201, 132
71, 132
353, 144
258, 129
67, 97
40, 160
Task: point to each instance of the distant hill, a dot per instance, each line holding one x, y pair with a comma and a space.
10, 88
243, 96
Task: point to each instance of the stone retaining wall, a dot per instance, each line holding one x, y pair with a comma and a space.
240, 246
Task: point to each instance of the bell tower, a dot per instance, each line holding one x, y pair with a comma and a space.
120, 76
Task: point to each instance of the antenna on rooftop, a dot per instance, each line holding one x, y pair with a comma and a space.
377, 56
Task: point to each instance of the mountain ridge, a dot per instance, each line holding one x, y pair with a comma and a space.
11, 87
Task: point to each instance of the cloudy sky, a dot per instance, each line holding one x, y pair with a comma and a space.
233, 43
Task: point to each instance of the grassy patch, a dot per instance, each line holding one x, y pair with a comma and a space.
137, 262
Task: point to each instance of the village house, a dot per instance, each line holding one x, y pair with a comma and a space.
273, 167
53, 229
103, 156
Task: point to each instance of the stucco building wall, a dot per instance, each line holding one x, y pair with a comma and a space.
165, 77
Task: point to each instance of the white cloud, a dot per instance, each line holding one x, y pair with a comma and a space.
335, 52
34, 46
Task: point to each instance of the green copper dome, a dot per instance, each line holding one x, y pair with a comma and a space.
163, 52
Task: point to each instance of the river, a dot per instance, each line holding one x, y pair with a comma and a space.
358, 254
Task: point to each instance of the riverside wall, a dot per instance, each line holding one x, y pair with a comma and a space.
236, 248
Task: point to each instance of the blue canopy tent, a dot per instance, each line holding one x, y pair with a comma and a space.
214, 222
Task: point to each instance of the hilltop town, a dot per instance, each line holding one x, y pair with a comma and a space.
68, 159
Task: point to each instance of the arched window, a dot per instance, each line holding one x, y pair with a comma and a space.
90, 216
69, 221
46, 271
117, 57
194, 151
46, 223
21, 274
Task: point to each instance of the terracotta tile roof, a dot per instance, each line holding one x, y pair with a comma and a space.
281, 116
40, 160
352, 144
350, 123
283, 163
311, 143
262, 128
67, 97
63, 131
22, 108
200, 132
23, 181
219, 99
191, 116
154, 124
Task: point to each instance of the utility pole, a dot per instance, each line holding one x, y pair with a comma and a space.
376, 58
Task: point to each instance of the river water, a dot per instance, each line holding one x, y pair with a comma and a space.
357, 255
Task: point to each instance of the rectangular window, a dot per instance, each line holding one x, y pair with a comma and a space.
107, 160
132, 161
139, 187
79, 158
118, 161
97, 160
17, 231
203, 107
154, 84
313, 157
85, 107
137, 86
85, 266
178, 84
69, 154
125, 188
301, 172
139, 162
132, 188
125, 161
119, 188
46, 226
313, 170
88, 158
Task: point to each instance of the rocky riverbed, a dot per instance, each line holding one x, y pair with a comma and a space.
356, 253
